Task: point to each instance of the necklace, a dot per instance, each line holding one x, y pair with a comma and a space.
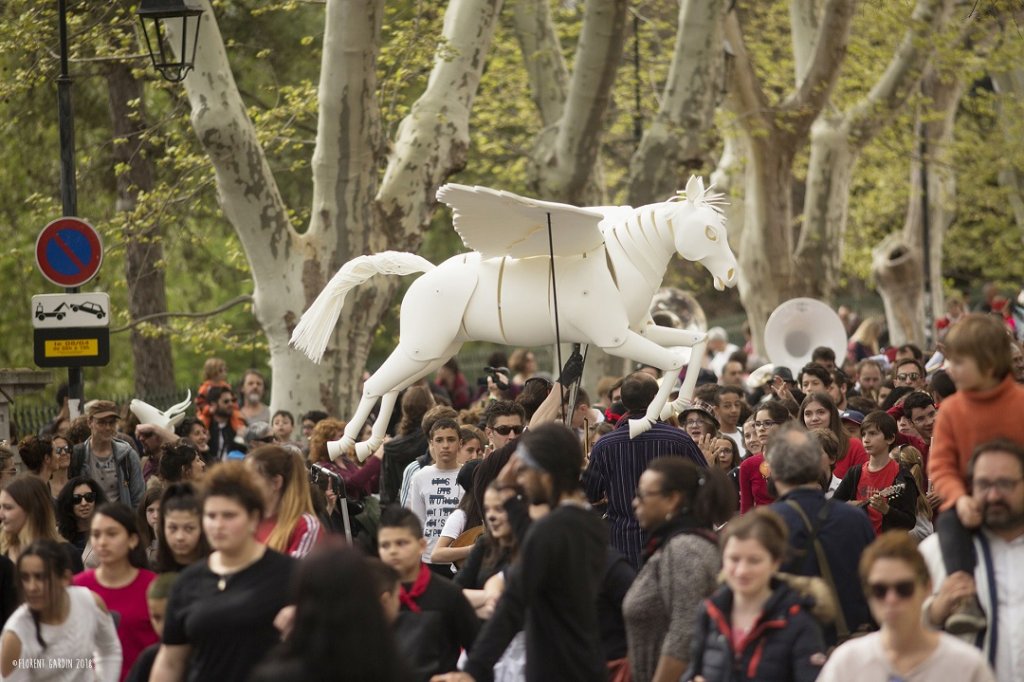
222, 583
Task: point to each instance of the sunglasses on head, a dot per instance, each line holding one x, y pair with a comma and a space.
506, 429
904, 589
85, 497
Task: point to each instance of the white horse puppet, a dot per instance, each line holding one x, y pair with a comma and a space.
608, 261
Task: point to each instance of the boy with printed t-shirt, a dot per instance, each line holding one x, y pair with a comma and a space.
987, 405
887, 490
434, 492
435, 619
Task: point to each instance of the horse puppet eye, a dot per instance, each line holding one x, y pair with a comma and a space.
709, 232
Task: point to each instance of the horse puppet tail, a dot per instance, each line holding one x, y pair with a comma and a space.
318, 322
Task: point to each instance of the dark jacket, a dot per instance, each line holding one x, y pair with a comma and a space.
784, 645
902, 506
398, 454
844, 533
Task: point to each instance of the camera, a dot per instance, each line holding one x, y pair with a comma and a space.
499, 375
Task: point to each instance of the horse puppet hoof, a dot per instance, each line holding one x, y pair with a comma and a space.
337, 448
638, 426
368, 447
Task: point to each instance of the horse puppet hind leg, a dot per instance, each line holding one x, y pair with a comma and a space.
398, 372
670, 337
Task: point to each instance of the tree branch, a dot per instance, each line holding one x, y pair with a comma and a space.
745, 84
349, 144
902, 75
433, 140
679, 130
829, 50
164, 315
803, 21
565, 170
542, 57
246, 187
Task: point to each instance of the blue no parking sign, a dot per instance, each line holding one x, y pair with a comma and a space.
69, 252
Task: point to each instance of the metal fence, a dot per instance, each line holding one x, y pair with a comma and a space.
31, 417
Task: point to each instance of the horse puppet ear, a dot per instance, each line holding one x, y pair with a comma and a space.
695, 189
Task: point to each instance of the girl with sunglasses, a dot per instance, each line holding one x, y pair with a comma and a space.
75, 506
896, 582
62, 465
57, 622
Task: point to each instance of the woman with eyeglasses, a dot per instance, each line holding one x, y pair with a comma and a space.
677, 504
819, 412
699, 422
896, 582
62, 459
76, 503
754, 472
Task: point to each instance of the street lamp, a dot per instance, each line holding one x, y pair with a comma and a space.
154, 14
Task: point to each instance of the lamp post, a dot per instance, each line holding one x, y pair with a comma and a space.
68, 188
154, 14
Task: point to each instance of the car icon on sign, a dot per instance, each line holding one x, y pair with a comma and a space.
89, 307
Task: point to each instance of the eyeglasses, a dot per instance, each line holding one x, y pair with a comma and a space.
910, 376
85, 497
1004, 486
693, 423
904, 589
765, 424
506, 429
641, 495
62, 450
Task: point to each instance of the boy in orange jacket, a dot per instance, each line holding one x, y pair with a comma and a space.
988, 404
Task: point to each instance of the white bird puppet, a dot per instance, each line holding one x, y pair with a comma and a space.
604, 265
168, 419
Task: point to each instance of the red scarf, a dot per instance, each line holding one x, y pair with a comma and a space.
409, 598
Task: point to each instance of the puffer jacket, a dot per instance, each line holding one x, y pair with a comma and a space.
784, 645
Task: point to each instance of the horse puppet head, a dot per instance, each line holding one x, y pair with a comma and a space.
698, 230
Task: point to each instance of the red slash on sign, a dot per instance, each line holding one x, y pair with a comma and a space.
69, 252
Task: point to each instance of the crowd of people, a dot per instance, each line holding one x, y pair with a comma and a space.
861, 518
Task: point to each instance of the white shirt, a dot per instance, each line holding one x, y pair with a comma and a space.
433, 496
84, 648
737, 437
863, 660
1007, 559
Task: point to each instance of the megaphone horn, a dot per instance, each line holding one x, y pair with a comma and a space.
797, 327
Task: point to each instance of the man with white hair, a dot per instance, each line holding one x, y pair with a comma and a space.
719, 349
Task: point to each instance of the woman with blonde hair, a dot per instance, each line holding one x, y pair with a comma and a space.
864, 342
26, 515
289, 524
910, 457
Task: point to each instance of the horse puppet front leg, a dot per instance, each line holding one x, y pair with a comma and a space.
640, 349
399, 371
669, 336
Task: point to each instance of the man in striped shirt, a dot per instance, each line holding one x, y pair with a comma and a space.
617, 461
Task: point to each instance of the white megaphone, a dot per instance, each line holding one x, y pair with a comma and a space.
148, 414
797, 327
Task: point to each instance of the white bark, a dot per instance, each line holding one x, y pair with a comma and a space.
1009, 85
838, 139
350, 215
768, 272
678, 133
565, 153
